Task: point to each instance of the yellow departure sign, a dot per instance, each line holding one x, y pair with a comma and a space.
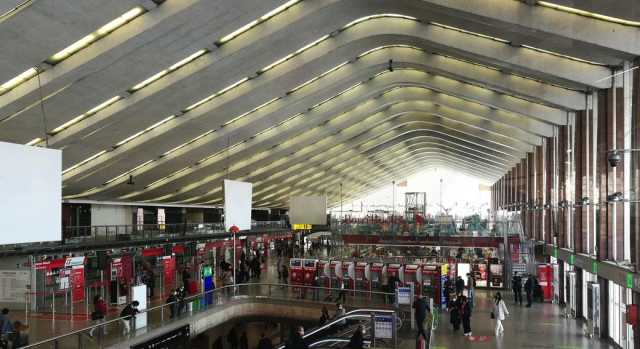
302, 227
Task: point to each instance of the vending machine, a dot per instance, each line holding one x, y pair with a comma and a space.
413, 276
363, 276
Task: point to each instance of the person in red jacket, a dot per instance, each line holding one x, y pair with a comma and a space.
98, 315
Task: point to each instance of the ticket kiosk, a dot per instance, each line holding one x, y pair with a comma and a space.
363, 276
335, 270
349, 274
396, 270
324, 273
413, 276
378, 274
431, 276
310, 267
296, 271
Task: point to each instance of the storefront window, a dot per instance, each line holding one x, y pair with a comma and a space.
619, 331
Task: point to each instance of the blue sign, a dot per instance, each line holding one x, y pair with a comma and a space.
383, 327
404, 295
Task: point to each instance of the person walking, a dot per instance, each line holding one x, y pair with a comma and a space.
342, 295
128, 315
98, 315
340, 312
421, 309
500, 312
296, 341
465, 312
516, 286
357, 340
232, 338
172, 301
459, 285
264, 342
528, 288
454, 313
285, 274
471, 284
325, 315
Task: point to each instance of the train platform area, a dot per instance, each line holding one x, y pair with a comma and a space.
541, 326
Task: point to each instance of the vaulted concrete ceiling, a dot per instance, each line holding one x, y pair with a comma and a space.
296, 97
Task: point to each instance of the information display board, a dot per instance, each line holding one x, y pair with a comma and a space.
237, 204
139, 293
31, 194
13, 285
383, 326
404, 295
308, 210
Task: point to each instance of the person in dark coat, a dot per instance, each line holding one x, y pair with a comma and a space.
357, 340
516, 286
232, 338
172, 301
465, 312
459, 285
244, 341
325, 315
421, 310
528, 288
265, 342
296, 341
454, 313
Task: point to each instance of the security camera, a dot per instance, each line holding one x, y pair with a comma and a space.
614, 158
615, 197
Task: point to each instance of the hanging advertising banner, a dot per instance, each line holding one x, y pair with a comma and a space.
169, 264
139, 293
77, 283
161, 218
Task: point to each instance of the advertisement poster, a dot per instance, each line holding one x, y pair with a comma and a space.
481, 274
169, 264
77, 283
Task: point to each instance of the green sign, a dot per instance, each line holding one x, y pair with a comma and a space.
207, 271
629, 280
594, 267
555, 252
572, 259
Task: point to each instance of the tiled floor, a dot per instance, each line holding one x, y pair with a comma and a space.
540, 326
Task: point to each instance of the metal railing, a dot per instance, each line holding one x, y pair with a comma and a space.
148, 231
161, 315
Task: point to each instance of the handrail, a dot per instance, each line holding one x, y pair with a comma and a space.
334, 340
194, 297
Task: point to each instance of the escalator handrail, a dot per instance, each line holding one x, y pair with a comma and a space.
335, 340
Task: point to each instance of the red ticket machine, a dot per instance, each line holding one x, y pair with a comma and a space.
296, 272
431, 277
545, 279
413, 276
377, 276
363, 276
324, 273
396, 270
335, 270
349, 274
310, 267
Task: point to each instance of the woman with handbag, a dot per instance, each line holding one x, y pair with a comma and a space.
499, 313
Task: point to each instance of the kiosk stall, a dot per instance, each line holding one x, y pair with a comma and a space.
431, 281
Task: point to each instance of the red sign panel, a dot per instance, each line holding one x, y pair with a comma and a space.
169, 264
77, 283
153, 252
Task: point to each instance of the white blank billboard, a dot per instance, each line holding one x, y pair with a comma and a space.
237, 204
308, 210
30, 194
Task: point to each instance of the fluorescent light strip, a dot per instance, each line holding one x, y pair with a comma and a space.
384, 15
172, 68
279, 9
584, 13
128, 172
34, 141
128, 139
14, 82
237, 32
470, 32
14, 10
81, 117
375, 49
96, 35
562, 55
207, 99
318, 77
251, 111
187, 143
166, 177
84, 161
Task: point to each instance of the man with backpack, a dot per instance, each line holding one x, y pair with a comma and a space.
128, 315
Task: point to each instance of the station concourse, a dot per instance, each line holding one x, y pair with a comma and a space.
319, 174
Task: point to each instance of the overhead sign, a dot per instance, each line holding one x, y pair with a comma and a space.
237, 204
302, 227
308, 210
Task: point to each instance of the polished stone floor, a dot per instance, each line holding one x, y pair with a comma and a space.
540, 326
